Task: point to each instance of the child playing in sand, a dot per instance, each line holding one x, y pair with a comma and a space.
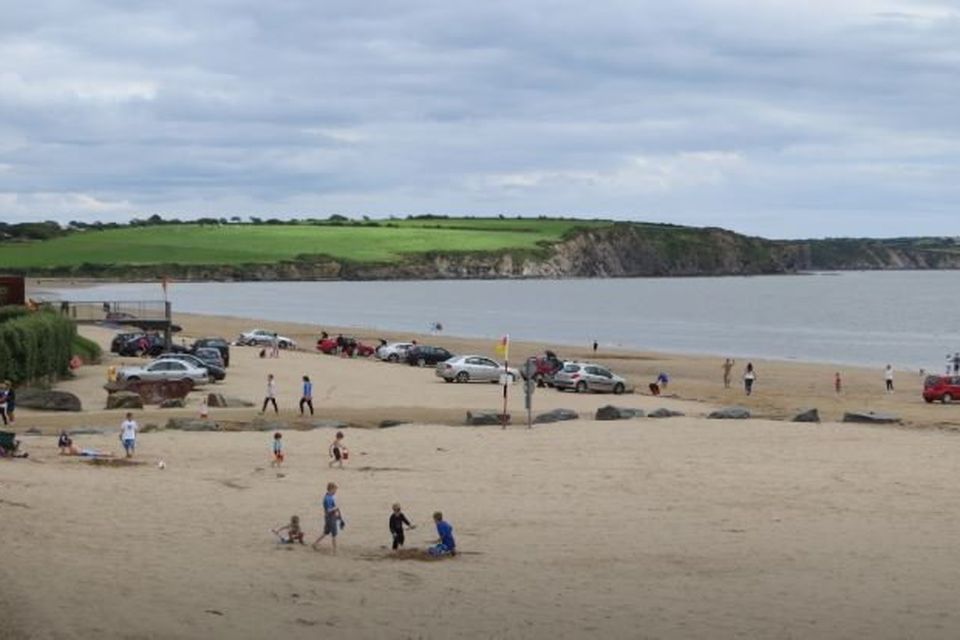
294, 532
397, 520
332, 519
65, 443
338, 451
277, 450
446, 546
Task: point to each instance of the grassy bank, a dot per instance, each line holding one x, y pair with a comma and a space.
263, 243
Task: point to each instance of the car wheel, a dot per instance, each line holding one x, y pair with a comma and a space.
283, 345
929, 400
463, 376
132, 379
448, 379
581, 387
538, 378
618, 388
393, 357
421, 362
947, 398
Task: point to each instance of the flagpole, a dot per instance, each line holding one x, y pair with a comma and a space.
506, 378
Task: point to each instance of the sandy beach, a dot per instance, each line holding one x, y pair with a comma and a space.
674, 528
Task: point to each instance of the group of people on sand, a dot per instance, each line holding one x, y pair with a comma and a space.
270, 395
398, 523
338, 451
128, 438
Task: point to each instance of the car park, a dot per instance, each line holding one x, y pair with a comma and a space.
143, 344
422, 355
264, 338
121, 339
214, 371
474, 369
394, 351
164, 370
586, 376
945, 389
220, 344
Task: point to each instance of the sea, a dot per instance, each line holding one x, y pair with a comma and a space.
910, 319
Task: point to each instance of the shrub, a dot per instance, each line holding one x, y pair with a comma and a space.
88, 350
35, 346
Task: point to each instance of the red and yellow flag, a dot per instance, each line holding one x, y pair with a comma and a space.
503, 347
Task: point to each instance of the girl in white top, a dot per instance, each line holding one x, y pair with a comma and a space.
128, 435
271, 397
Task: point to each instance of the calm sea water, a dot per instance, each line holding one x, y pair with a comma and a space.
908, 318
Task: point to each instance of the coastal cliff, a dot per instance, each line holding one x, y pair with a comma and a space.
622, 249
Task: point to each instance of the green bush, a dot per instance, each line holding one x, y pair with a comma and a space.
12, 311
35, 346
88, 350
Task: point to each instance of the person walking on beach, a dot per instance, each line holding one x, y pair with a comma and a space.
338, 452
3, 403
888, 378
306, 398
128, 435
275, 345
332, 518
277, 450
749, 377
397, 520
595, 345
837, 383
271, 397
727, 367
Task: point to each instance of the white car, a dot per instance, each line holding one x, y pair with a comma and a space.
165, 370
394, 351
264, 338
474, 369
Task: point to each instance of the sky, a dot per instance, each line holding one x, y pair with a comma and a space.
780, 118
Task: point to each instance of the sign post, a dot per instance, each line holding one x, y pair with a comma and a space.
529, 385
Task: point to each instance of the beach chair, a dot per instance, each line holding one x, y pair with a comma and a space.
8, 442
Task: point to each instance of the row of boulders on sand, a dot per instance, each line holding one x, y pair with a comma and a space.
490, 417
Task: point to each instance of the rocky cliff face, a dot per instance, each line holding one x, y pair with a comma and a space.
619, 250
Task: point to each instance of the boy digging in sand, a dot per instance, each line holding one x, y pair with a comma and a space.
446, 546
294, 532
397, 520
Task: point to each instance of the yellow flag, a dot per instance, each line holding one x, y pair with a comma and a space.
503, 347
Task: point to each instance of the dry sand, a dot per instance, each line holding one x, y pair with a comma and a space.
676, 528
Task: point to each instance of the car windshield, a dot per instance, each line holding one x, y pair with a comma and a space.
571, 368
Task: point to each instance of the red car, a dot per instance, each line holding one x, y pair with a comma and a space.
946, 389
348, 346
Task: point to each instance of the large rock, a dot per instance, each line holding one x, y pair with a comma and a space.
86, 431
218, 400
730, 413
869, 417
663, 412
556, 415
481, 417
48, 400
192, 424
386, 424
807, 415
124, 400
610, 412
173, 403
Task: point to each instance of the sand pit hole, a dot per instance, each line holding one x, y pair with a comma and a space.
375, 469
115, 462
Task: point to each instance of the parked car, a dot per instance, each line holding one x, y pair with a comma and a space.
262, 337
164, 370
216, 372
344, 344
219, 344
545, 367
946, 389
394, 351
422, 355
584, 376
121, 339
144, 344
473, 369
210, 355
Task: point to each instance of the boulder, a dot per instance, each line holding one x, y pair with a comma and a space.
869, 417
664, 413
610, 412
481, 417
219, 400
173, 403
33, 431
386, 424
556, 415
216, 400
807, 415
150, 427
328, 424
48, 400
730, 413
124, 400
192, 424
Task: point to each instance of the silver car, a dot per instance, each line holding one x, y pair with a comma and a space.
165, 370
394, 351
584, 376
473, 369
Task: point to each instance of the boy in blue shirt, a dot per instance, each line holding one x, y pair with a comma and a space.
446, 546
332, 520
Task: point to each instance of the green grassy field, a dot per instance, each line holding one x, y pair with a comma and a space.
239, 244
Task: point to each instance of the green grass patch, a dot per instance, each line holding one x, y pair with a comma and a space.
388, 241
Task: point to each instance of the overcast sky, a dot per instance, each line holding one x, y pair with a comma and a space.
781, 118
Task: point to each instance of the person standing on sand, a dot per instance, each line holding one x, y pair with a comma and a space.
3, 402
749, 377
271, 397
275, 345
837, 383
888, 378
11, 401
595, 345
727, 367
306, 398
128, 435
332, 519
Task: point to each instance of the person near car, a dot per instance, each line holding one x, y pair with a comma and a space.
128, 434
749, 377
275, 345
956, 363
306, 397
888, 378
271, 395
